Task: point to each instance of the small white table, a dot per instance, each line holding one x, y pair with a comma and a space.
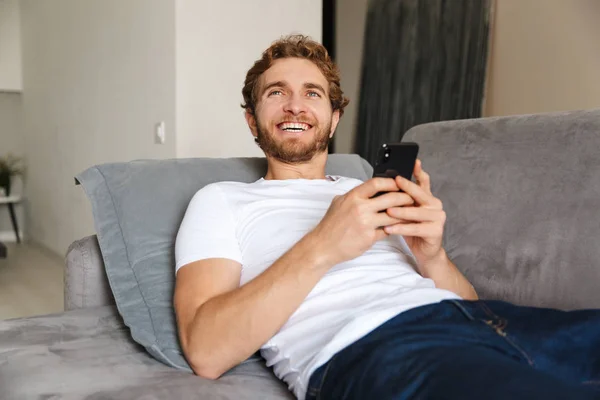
11, 201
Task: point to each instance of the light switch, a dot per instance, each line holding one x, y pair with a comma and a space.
159, 133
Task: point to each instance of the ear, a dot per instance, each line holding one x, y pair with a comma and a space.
335, 119
251, 121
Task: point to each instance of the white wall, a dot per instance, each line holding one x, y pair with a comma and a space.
545, 56
217, 42
97, 75
11, 141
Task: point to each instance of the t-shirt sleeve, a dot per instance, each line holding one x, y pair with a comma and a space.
208, 229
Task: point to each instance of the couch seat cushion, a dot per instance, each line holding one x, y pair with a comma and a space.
90, 354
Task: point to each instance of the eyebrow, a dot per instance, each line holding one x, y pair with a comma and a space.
272, 85
283, 84
310, 85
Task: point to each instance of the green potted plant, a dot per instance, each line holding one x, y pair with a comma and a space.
10, 166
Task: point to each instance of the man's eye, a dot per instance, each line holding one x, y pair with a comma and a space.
277, 92
313, 94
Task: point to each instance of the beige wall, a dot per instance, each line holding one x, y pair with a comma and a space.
97, 75
11, 141
350, 25
10, 46
545, 56
11, 138
217, 42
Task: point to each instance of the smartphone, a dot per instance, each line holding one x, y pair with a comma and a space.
395, 159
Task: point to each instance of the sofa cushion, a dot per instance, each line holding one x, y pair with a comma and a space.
522, 198
138, 207
88, 354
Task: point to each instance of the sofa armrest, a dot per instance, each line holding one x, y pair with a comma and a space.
86, 284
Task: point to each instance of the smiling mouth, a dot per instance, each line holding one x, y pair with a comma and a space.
294, 127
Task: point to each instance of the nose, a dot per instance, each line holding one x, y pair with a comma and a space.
294, 105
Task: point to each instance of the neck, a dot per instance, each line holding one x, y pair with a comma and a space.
312, 169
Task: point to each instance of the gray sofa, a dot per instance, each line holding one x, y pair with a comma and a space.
522, 196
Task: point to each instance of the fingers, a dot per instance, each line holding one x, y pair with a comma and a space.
382, 219
423, 230
422, 177
375, 185
418, 193
391, 199
394, 218
417, 214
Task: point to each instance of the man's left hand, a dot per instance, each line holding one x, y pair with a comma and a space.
422, 224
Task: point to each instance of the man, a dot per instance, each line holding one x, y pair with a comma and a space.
345, 294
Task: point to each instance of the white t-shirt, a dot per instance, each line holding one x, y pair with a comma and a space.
256, 223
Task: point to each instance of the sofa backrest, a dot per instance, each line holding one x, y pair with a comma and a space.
521, 193
522, 198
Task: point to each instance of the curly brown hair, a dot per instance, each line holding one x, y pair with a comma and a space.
299, 46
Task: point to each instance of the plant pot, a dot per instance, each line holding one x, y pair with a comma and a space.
5, 182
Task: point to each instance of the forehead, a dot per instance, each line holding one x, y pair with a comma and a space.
294, 71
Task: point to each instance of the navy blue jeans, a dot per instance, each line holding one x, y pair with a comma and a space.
469, 350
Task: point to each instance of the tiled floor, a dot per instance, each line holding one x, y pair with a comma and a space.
31, 281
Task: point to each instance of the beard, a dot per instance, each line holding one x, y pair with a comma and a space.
293, 150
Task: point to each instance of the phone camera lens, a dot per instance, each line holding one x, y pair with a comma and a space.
386, 157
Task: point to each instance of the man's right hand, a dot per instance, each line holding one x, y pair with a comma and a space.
353, 222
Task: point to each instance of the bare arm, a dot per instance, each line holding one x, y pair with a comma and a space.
221, 324
446, 276
227, 328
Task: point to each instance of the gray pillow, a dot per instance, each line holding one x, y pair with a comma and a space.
137, 209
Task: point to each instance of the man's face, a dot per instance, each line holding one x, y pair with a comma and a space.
294, 120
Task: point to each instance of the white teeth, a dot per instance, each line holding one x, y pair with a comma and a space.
294, 126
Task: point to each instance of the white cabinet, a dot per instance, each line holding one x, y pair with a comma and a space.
10, 46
